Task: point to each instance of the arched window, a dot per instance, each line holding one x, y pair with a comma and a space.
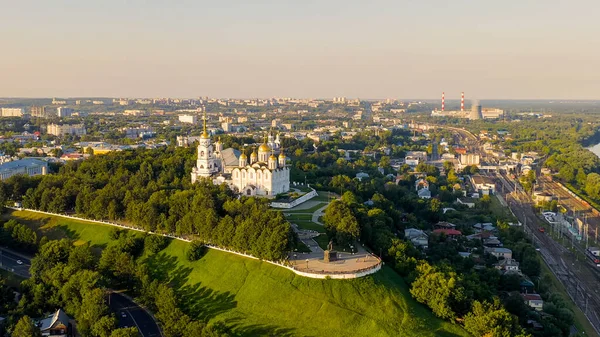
237, 174
258, 175
202, 153
248, 192
251, 175
243, 174
201, 166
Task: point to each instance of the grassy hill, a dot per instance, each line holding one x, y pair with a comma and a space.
258, 299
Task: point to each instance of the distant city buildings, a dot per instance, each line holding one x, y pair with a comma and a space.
64, 112
189, 119
38, 111
66, 129
12, 112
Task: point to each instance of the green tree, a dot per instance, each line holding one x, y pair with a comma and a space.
492, 320
125, 332
26, 328
438, 289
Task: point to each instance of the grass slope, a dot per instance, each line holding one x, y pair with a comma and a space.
258, 299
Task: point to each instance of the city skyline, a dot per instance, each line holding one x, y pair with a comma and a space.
525, 50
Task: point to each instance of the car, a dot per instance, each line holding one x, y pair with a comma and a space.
542, 230
19, 262
123, 314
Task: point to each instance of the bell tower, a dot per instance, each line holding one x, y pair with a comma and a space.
206, 165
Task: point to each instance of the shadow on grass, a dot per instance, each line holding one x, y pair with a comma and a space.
240, 329
198, 301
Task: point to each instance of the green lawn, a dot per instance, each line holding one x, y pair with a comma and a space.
500, 211
309, 225
324, 196
293, 217
259, 299
306, 210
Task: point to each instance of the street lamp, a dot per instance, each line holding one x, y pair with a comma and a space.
306, 263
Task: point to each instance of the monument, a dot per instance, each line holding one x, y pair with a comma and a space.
330, 255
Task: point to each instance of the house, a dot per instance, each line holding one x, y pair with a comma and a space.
421, 183
481, 236
56, 325
499, 252
534, 301
508, 266
417, 237
444, 225
451, 233
487, 226
482, 184
361, 175
424, 193
469, 202
491, 242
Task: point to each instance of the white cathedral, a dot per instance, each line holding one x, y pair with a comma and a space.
263, 175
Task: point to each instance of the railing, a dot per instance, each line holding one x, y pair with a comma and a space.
310, 273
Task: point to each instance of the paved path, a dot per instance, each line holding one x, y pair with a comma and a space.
319, 213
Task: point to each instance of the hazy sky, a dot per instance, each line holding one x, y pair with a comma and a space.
303, 48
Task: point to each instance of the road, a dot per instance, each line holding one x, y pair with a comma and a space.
118, 303
8, 261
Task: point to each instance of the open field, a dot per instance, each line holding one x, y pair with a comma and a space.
258, 299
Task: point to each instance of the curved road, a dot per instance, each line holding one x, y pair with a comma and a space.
127, 312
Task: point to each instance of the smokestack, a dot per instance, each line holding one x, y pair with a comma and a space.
443, 101
462, 101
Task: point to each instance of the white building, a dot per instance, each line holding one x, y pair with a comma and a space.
29, 166
263, 174
190, 119
66, 129
64, 112
12, 112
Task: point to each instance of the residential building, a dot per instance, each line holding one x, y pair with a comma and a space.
417, 237
38, 111
499, 252
507, 266
135, 113
12, 112
64, 112
534, 301
28, 166
190, 119
449, 232
469, 202
424, 193
56, 325
66, 129
483, 185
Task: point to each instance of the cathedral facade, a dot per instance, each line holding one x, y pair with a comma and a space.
263, 174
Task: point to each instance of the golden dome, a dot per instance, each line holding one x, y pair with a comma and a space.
264, 148
243, 155
273, 157
282, 155
204, 135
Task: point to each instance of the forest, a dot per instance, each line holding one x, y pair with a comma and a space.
151, 189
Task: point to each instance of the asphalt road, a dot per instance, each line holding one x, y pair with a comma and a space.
127, 312
8, 261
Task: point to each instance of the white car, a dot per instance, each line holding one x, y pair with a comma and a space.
19, 262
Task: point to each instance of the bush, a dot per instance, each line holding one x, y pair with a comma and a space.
195, 251
155, 243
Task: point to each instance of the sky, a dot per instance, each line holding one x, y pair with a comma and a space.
511, 49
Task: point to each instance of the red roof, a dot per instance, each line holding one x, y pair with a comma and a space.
448, 232
532, 297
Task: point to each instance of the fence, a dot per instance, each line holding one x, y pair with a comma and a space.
314, 274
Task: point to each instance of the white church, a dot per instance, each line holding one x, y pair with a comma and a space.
263, 175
